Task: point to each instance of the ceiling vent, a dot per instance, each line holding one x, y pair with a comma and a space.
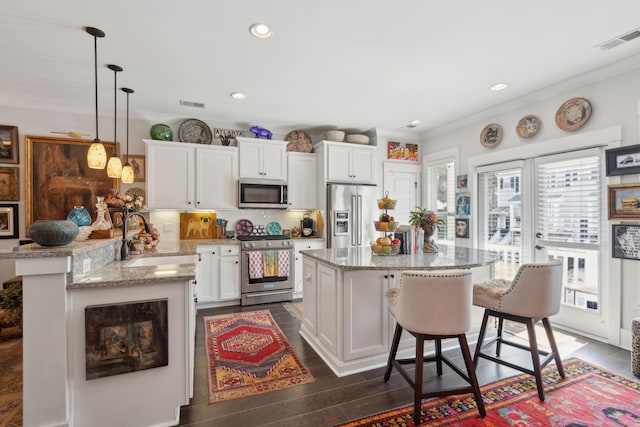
621, 39
192, 104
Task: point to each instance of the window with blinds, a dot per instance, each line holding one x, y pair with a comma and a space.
441, 193
568, 205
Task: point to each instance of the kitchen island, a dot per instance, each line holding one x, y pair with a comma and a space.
345, 316
61, 285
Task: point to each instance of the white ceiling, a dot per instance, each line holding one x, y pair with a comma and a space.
330, 64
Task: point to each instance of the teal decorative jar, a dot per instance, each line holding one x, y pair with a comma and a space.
161, 132
80, 216
53, 233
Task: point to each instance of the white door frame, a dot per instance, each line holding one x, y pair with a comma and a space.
609, 138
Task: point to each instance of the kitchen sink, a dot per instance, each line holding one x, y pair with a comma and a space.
162, 260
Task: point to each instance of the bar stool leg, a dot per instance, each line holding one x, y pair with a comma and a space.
417, 404
394, 350
554, 346
439, 357
535, 357
483, 330
499, 341
471, 372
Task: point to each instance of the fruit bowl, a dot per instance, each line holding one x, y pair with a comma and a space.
385, 250
385, 226
386, 204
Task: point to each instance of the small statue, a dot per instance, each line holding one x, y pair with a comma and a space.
261, 132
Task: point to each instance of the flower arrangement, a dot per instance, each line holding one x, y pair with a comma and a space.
133, 202
422, 216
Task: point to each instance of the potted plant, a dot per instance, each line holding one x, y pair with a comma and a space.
11, 306
428, 221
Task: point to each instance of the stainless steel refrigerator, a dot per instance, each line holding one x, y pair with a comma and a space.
351, 210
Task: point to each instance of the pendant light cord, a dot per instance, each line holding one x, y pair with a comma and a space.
95, 69
127, 128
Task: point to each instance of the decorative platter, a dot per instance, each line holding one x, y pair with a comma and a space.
195, 131
136, 191
244, 227
491, 135
573, 114
528, 126
274, 229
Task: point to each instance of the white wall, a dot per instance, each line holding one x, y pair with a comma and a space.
615, 103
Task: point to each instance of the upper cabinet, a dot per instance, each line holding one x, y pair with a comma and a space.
263, 159
302, 183
345, 162
191, 176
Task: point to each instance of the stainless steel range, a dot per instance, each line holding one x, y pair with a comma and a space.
267, 264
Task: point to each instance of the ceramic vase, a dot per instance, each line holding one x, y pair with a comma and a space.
79, 216
53, 233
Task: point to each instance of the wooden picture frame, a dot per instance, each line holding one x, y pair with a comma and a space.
9, 144
9, 184
58, 177
139, 164
9, 221
624, 202
623, 160
625, 241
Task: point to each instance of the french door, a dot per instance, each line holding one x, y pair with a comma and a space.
550, 207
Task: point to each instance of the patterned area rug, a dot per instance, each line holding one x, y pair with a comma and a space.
248, 354
589, 396
11, 378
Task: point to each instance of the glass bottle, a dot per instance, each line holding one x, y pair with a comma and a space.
80, 216
101, 222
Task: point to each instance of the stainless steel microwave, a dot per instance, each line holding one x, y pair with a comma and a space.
262, 194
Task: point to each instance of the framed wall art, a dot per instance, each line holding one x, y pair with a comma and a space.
58, 177
626, 241
9, 184
461, 182
462, 228
623, 161
9, 144
463, 204
139, 165
8, 221
402, 151
623, 202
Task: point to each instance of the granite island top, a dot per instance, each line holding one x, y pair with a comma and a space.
449, 257
108, 270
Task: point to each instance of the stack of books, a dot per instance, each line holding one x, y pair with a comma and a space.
411, 238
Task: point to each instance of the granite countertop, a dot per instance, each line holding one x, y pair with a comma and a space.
449, 257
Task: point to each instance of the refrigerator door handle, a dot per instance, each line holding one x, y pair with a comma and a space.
354, 222
360, 225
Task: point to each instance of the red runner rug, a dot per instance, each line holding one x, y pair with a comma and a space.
588, 396
248, 354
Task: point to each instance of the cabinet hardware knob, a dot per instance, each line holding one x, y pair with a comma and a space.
189, 202
236, 262
386, 276
213, 253
393, 276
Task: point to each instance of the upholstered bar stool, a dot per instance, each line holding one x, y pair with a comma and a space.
433, 305
533, 295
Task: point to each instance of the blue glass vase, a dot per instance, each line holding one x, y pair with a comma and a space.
80, 216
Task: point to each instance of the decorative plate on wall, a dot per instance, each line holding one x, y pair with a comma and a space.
573, 114
528, 126
491, 135
195, 131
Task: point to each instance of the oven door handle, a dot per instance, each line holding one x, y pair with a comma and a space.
260, 294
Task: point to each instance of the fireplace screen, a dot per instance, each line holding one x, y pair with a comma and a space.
126, 337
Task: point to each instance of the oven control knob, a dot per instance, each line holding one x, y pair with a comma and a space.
268, 244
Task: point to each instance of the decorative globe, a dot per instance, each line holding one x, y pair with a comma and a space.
161, 132
53, 233
80, 216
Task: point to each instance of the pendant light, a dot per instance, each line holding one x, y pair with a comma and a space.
97, 155
114, 166
127, 171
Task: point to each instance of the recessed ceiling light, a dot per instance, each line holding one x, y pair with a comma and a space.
414, 123
262, 31
498, 86
238, 95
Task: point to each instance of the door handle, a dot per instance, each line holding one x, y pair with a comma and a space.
538, 247
539, 235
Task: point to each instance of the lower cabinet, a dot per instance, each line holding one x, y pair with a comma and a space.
218, 275
302, 245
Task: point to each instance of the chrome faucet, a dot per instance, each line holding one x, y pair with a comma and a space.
124, 250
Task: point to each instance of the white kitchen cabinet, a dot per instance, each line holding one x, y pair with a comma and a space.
310, 296
263, 159
218, 275
328, 299
191, 176
301, 245
349, 162
302, 171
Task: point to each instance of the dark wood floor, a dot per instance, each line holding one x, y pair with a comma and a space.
330, 400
